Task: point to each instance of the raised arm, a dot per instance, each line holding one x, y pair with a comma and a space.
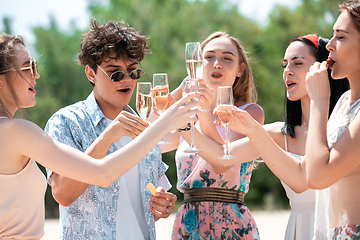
28, 140
241, 148
326, 166
205, 117
206, 120
172, 137
66, 190
266, 141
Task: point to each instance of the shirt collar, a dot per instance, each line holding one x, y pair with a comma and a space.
96, 115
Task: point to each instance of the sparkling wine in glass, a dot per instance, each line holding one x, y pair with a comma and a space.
191, 85
143, 99
225, 104
194, 62
160, 93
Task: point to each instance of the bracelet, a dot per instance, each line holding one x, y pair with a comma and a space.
187, 128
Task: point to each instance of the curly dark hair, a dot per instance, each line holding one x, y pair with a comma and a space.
112, 40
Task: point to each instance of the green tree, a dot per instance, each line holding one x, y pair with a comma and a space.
7, 25
62, 81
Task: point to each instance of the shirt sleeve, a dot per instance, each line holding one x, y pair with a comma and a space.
164, 182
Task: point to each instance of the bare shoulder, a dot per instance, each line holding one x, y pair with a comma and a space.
274, 130
18, 126
255, 110
17, 136
19, 131
274, 127
251, 106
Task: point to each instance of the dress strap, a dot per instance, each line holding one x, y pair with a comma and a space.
246, 105
285, 140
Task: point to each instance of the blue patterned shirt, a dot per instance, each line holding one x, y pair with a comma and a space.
93, 214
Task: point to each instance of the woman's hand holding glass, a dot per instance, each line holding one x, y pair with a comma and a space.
207, 95
181, 112
241, 121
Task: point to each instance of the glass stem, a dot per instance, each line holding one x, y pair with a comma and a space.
226, 140
192, 136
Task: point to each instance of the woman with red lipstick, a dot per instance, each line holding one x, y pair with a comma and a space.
22, 184
282, 144
213, 206
333, 145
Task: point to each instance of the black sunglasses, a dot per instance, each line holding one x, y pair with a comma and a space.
119, 75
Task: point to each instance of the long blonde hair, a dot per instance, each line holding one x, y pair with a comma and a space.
244, 88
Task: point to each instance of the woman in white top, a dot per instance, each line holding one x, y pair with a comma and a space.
333, 146
22, 185
281, 145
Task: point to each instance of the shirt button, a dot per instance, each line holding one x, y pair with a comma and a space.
113, 217
115, 190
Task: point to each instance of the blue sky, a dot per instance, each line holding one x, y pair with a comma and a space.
27, 14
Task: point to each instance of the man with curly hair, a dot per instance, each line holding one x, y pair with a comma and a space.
100, 125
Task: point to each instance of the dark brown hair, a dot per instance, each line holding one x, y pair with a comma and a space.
112, 40
337, 87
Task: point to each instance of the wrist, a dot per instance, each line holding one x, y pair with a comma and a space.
254, 130
184, 129
106, 138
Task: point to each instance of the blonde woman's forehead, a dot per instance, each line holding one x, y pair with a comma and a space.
223, 45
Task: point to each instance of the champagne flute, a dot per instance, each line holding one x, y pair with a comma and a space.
191, 85
225, 104
160, 93
143, 99
194, 62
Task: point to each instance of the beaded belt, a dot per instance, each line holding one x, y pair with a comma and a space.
213, 195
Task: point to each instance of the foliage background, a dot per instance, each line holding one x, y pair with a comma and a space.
170, 24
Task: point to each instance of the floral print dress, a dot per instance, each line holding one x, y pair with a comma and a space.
212, 220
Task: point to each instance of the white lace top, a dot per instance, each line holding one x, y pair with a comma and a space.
340, 118
339, 121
